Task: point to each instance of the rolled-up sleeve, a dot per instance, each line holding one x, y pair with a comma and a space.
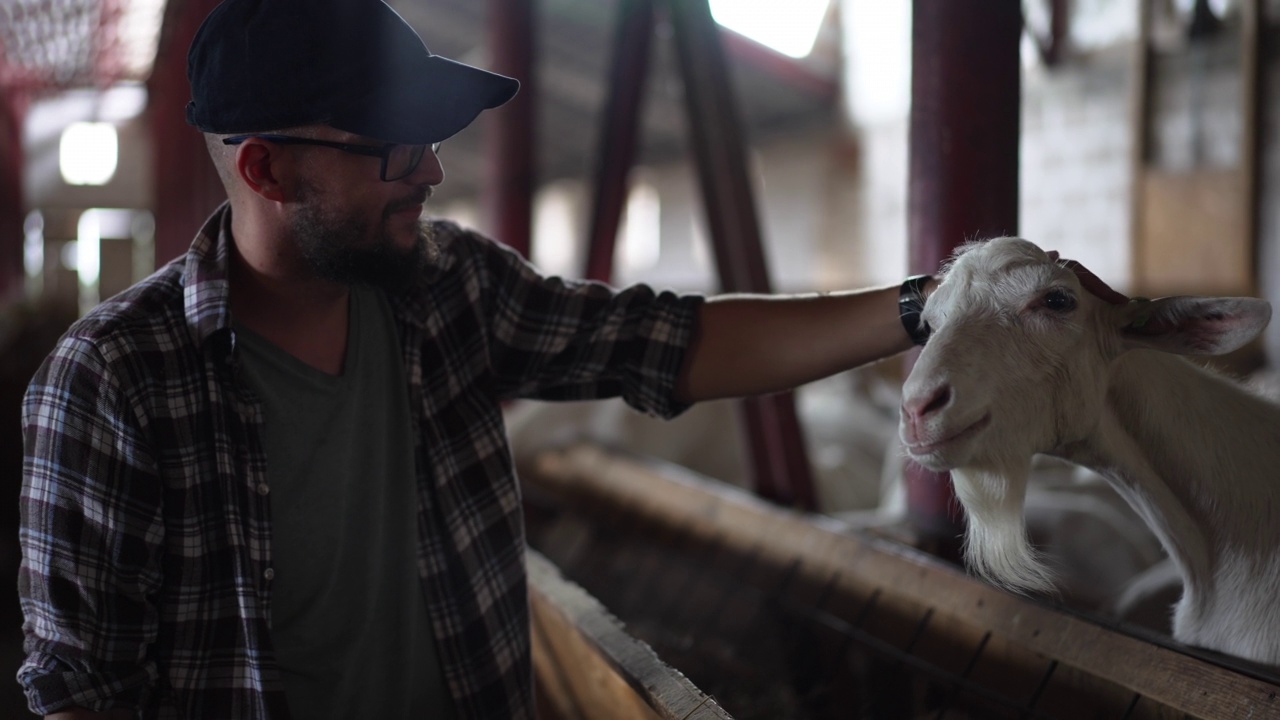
91, 536
557, 339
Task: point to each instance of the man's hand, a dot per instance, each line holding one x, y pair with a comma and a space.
1091, 282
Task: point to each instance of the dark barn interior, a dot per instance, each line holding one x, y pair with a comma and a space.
777, 556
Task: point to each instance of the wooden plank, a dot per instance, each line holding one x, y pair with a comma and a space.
588, 667
861, 564
1195, 234
1196, 231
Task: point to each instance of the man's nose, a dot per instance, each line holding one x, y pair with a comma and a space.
430, 170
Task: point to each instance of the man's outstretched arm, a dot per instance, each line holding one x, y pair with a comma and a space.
757, 344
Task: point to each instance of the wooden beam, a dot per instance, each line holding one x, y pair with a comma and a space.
587, 666
859, 565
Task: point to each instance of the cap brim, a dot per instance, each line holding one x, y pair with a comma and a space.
429, 103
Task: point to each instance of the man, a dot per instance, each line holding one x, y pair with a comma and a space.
271, 481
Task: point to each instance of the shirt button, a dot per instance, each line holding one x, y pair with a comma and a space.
269, 573
263, 489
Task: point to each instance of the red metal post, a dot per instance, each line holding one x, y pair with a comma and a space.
15, 99
186, 185
963, 183
13, 110
621, 129
779, 461
509, 164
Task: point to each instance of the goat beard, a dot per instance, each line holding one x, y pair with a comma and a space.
996, 546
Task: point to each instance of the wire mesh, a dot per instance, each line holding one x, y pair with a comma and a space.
60, 44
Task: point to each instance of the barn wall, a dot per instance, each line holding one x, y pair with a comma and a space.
1075, 186
1075, 162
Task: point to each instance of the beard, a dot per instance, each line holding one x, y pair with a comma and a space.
350, 250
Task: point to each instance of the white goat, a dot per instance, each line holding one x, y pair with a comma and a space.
1022, 360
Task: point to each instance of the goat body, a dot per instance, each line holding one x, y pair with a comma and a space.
1022, 360
1198, 457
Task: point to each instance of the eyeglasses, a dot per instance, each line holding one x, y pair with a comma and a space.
398, 161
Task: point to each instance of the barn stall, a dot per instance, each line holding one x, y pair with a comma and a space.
778, 613
760, 611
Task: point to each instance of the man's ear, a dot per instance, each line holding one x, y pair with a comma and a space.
257, 167
1191, 325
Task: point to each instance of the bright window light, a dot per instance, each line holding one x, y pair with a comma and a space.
88, 247
88, 257
33, 253
33, 245
88, 153
554, 249
641, 240
788, 27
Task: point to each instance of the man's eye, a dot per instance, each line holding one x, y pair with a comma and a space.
1059, 301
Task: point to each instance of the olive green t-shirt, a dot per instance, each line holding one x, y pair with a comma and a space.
349, 620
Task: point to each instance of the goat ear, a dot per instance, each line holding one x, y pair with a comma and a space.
1192, 325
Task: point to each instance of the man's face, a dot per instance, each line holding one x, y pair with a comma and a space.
353, 228
349, 246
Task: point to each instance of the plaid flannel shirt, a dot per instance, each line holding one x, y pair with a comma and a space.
146, 518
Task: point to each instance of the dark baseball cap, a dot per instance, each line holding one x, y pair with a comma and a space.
356, 65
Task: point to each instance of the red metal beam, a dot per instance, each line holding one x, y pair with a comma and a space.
963, 184
509, 161
779, 461
621, 129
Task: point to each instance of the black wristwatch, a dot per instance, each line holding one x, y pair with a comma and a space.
910, 305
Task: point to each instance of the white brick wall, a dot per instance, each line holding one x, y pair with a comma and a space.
1074, 164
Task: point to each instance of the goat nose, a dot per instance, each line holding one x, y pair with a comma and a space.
919, 407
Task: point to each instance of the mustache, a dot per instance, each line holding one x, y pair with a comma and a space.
418, 198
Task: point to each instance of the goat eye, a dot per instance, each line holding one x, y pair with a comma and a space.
1059, 301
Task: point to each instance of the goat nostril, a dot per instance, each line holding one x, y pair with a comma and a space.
921, 406
940, 398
